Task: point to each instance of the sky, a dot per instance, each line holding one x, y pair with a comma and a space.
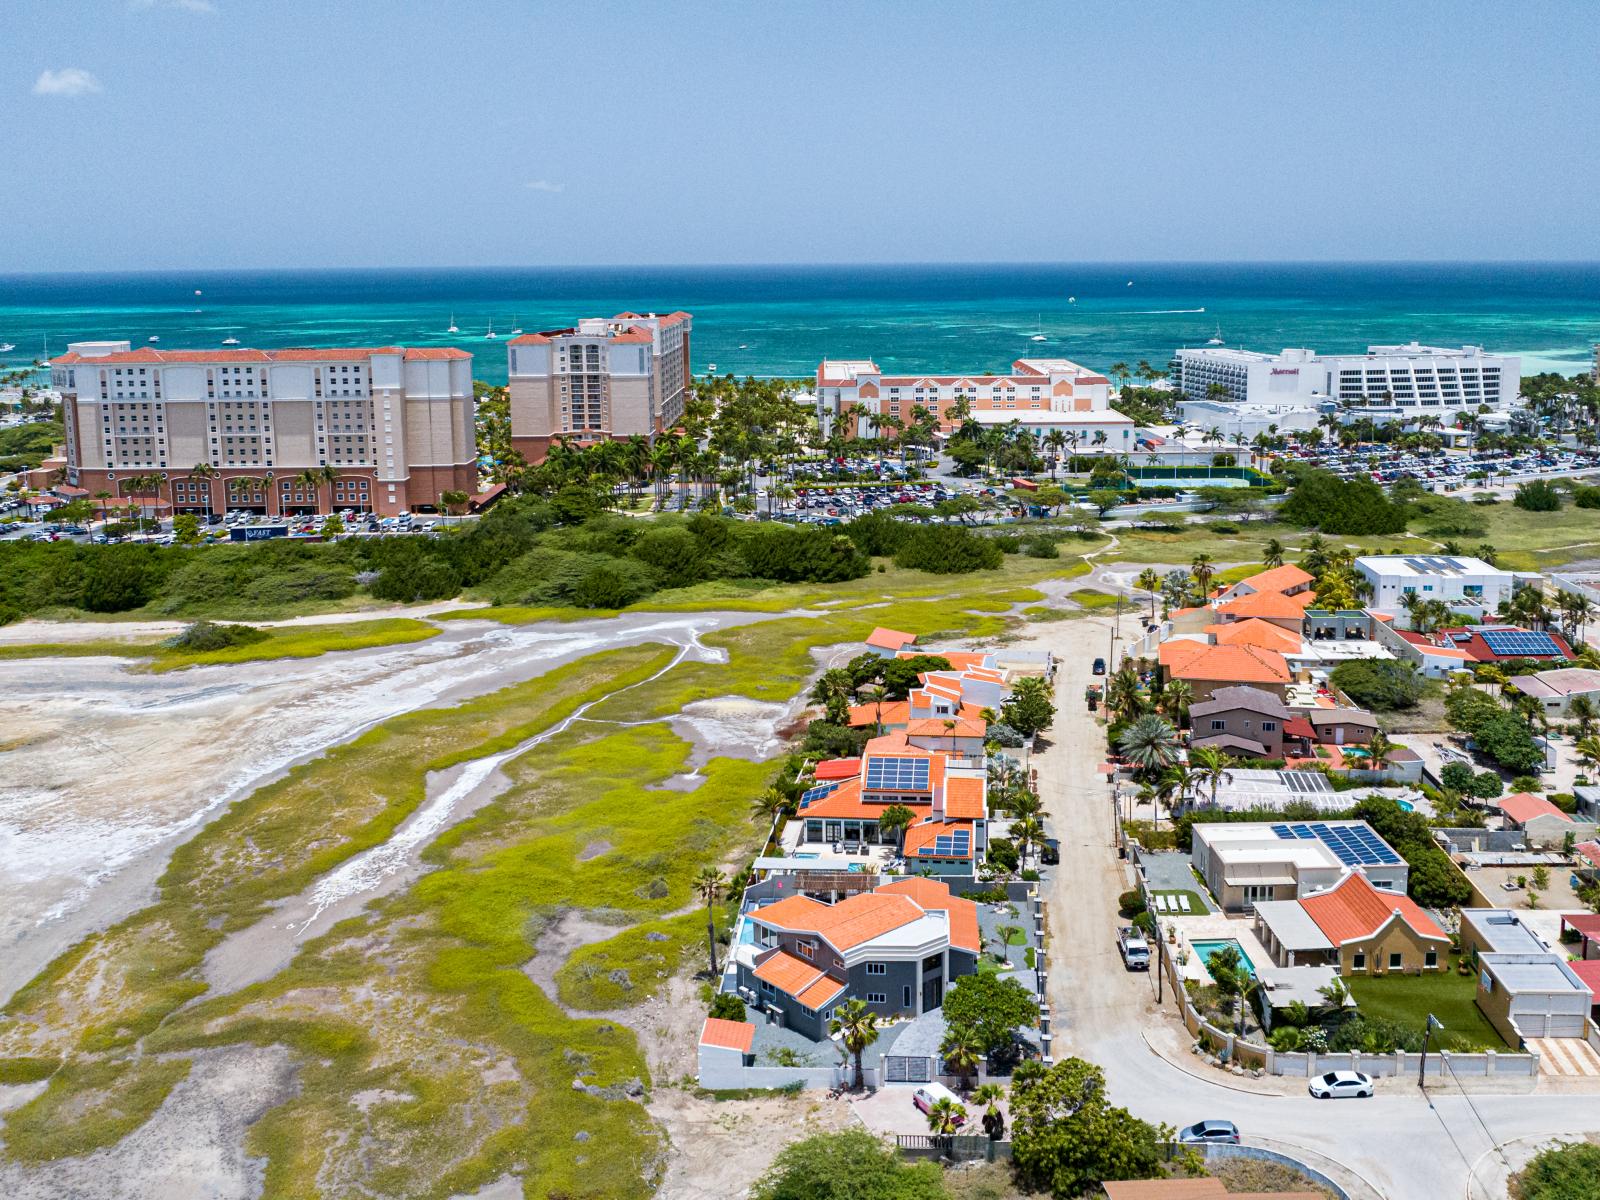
147, 134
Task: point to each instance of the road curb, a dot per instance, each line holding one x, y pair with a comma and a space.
1232, 1087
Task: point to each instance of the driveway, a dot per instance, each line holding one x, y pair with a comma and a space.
1405, 1144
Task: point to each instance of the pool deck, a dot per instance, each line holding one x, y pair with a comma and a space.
1213, 927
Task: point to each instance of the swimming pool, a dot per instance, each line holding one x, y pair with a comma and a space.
1406, 806
1206, 949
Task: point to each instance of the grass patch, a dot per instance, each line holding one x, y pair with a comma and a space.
1408, 999
1091, 599
304, 641
1039, 614
1196, 905
1234, 574
628, 968
96, 1105
27, 1070
100, 648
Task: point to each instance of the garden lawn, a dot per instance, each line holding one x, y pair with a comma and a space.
1196, 904
1408, 999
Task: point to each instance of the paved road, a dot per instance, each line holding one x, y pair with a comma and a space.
1406, 1145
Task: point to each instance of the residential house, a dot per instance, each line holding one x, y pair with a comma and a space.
935, 775
1506, 643
726, 1048
1556, 690
1354, 926
1532, 996
1541, 823
1342, 726
1275, 608
887, 643
1498, 931
1462, 582
1240, 720
1247, 863
1206, 667
897, 948
1287, 580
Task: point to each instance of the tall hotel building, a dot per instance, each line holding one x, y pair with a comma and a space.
1407, 380
392, 426
606, 377
1040, 393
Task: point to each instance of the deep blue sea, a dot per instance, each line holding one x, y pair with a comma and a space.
783, 320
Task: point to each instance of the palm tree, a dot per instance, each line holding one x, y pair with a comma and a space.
875, 696
768, 806
206, 472
1380, 747
1150, 581
857, 1028
708, 886
1149, 743
962, 1054
1273, 557
945, 1116
1172, 788
1208, 766
1124, 699
102, 496
1176, 698
994, 1122
1026, 832
834, 690
1582, 711
1202, 570
892, 821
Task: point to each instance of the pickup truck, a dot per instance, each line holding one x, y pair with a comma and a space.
1135, 950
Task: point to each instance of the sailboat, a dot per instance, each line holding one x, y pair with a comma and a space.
491, 335
1038, 331
452, 328
1216, 338
230, 341
516, 329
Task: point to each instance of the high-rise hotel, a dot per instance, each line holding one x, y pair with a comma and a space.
388, 429
605, 377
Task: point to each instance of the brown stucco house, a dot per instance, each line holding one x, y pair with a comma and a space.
1357, 928
1240, 719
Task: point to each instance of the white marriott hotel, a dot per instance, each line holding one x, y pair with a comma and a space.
1411, 380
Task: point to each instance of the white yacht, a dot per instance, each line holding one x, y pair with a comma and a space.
452, 328
7, 347
491, 335
1216, 338
154, 338
230, 341
711, 368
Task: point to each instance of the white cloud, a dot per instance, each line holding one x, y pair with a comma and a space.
193, 6
68, 81
544, 185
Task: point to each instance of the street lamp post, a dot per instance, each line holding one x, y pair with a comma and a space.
1432, 1023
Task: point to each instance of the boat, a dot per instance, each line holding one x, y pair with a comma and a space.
1216, 338
711, 368
516, 330
1072, 299
154, 338
230, 341
452, 328
491, 335
1038, 331
7, 347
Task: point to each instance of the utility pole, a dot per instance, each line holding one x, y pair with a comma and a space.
1432, 1023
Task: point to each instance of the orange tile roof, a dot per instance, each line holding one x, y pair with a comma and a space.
1589, 850
730, 1035
919, 838
963, 797
890, 639
942, 727
838, 768
1353, 910
820, 993
860, 918
930, 894
845, 803
895, 712
435, 353
1230, 664
1263, 604
800, 979
1524, 806
893, 742
1256, 632
1278, 579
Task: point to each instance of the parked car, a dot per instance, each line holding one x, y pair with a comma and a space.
1135, 950
929, 1094
1099, 666
1337, 1085
1050, 851
1212, 1132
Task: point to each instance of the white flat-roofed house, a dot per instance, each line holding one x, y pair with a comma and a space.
1532, 996
1405, 382
1469, 583
1249, 863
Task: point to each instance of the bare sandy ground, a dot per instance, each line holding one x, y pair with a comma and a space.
103, 772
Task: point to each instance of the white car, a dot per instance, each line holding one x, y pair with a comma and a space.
1336, 1085
929, 1094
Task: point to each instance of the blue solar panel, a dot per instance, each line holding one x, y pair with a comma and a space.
952, 845
889, 774
1515, 643
1353, 845
818, 792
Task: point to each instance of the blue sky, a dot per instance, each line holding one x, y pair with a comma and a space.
222, 133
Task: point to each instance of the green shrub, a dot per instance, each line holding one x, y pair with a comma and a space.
1537, 495
1567, 1171
1383, 685
203, 635
947, 550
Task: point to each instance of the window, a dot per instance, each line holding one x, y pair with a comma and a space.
1430, 959
1358, 961
907, 1002
808, 950
1269, 727
877, 968
1397, 960
877, 998
1219, 725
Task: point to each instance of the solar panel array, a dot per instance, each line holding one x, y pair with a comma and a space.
1519, 643
952, 845
1305, 782
1355, 845
818, 792
891, 774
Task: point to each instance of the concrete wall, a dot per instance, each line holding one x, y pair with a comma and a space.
724, 1069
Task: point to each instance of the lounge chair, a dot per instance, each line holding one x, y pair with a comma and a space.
1183, 903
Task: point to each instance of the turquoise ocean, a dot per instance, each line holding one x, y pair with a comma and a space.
781, 320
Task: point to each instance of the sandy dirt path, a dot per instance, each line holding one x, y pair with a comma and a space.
103, 771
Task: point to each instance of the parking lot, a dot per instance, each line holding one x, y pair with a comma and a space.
1445, 470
